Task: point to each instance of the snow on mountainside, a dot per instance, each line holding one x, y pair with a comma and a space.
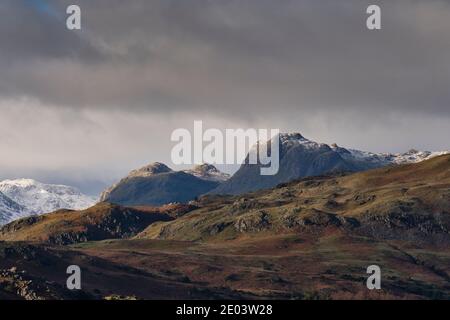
30, 197
412, 156
208, 172
300, 157
9, 210
289, 140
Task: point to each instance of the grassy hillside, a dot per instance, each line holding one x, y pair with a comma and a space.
103, 221
403, 202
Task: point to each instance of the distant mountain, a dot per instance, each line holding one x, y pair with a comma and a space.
382, 159
25, 197
157, 184
300, 157
9, 210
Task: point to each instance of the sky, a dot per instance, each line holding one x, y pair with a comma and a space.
86, 107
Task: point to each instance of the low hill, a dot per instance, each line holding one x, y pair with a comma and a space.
103, 221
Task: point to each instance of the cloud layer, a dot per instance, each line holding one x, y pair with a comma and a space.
303, 65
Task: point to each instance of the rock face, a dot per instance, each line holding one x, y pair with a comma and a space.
300, 157
156, 184
255, 222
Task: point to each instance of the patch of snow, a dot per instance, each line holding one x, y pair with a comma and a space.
208, 172
380, 159
412, 156
288, 140
10, 210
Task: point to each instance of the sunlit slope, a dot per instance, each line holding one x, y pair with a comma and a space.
103, 221
410, 202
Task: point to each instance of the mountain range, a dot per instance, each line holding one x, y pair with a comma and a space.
300, 157
157, 184
24, 197
311, 238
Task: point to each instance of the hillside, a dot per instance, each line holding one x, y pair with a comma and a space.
406, 202
103, 221
37, 272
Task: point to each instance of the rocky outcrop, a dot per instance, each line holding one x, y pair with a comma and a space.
19, 285
255, 222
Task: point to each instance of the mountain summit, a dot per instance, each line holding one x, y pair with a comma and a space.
149, 170
300, 157
24, 197
208, 172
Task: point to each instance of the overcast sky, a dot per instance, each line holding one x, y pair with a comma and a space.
85, 107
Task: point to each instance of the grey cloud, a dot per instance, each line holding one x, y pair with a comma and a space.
248, 56
28, 33
89, 104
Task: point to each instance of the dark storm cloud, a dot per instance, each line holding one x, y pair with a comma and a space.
31, 29
244, 55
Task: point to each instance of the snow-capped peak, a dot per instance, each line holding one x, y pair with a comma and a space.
412, 156
208, 172
20, 183
296, 136
288, 140
35, 197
